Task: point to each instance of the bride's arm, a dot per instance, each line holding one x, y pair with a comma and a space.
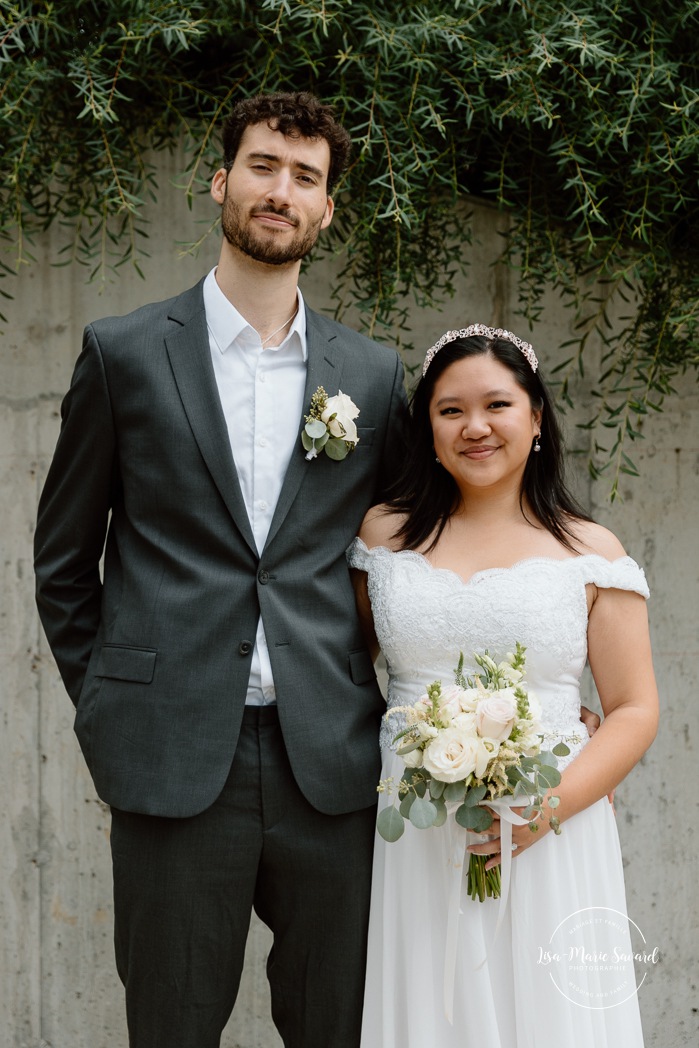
378, 528
620, 659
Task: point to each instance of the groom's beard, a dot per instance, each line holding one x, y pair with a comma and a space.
262, 245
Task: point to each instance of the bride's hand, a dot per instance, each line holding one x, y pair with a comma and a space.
522, 837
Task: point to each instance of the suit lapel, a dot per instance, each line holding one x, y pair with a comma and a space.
325, 361
190, 358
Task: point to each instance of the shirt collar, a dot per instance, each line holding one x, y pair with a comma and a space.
226, 324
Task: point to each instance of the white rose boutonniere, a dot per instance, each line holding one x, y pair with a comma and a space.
330, 426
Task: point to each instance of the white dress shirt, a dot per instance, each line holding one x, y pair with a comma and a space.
261, 391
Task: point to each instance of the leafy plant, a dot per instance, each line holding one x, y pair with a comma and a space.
580, 121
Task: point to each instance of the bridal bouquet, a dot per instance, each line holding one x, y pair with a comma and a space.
472, 741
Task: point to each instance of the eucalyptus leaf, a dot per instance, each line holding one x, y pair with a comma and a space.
475, 795
406, 804
315, 429
390, 825
336, 449
423, 813
436, 788
454, 792
560, 749
515, 776
478, 820
549, 776
441, 812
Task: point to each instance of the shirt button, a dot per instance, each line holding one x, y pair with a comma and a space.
260, 376
245, 648
262, 504
263, 576
262, 442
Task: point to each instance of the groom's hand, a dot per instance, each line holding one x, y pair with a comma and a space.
590, 720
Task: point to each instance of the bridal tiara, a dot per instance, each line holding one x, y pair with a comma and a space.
488, 332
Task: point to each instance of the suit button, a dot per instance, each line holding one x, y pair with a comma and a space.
263, 577
245, 648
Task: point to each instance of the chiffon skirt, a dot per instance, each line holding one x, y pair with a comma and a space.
558, 973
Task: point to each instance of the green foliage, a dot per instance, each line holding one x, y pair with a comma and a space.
580, 121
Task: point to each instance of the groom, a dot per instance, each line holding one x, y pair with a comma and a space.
227, 706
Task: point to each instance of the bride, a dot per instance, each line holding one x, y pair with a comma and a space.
482, 547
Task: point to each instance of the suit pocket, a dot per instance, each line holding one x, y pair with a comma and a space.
123, 663
361, 667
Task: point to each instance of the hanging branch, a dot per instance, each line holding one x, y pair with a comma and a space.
581, 125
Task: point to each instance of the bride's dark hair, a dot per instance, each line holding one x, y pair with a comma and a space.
428, 495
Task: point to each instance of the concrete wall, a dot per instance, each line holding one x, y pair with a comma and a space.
57, 981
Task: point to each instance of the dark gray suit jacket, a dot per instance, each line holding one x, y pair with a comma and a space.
157, 657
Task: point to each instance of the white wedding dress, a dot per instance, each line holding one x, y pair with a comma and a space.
559, 973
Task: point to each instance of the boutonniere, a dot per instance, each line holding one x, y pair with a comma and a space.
330, 426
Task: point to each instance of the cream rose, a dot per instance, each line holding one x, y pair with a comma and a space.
466, 722
469, 699
496, 715
344, 410
452, 756
450, 702
413, 759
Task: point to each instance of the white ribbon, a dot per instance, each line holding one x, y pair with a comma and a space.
508, 818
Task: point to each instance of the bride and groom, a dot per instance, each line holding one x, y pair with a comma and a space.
226, 701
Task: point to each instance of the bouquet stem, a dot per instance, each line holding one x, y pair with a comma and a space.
482, 882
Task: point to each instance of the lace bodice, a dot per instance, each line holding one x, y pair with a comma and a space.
425, 616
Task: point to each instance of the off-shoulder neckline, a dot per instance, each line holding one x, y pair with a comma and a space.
484, 572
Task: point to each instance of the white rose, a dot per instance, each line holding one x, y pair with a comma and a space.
452, 756
466, 722
450, 701
469, 699
412, 759
496, 714
344, 410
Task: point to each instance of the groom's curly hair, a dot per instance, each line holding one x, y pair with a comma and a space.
293, 114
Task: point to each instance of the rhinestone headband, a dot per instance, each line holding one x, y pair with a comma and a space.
488, 332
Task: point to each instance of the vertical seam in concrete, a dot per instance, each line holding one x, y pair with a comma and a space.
40, 803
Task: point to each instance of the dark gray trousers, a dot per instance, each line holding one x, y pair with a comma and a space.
184, 891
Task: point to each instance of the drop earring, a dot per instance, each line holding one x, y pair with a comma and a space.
537, 445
